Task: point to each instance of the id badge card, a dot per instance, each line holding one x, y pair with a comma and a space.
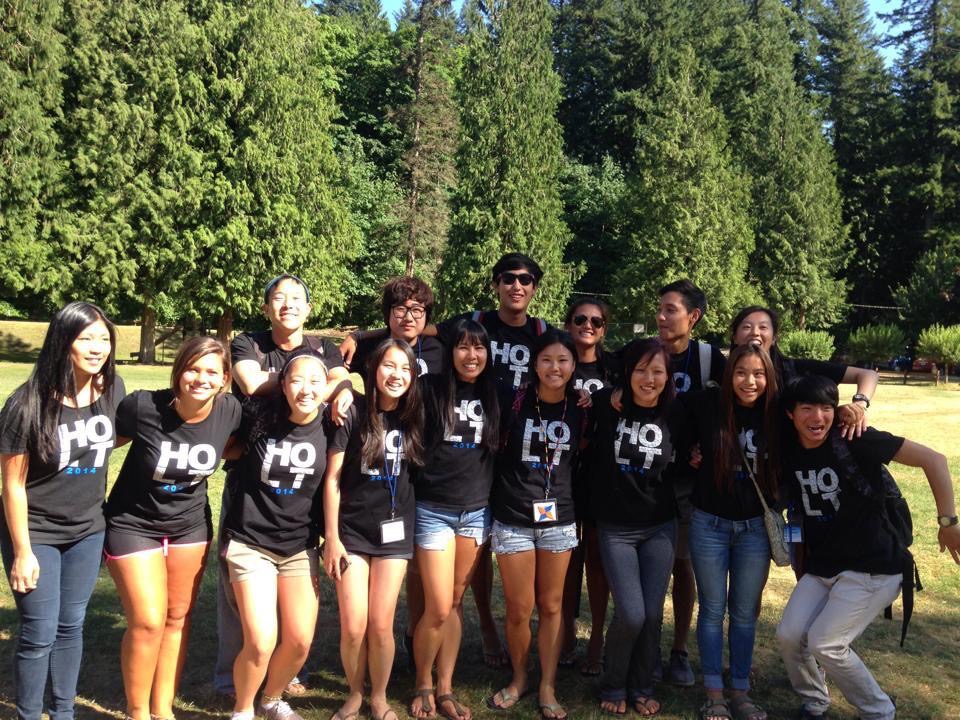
391, 531
545, 511
792, 534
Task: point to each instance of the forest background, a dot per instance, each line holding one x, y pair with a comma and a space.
165, 158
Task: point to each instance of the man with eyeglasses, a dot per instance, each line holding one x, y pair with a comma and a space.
407, 303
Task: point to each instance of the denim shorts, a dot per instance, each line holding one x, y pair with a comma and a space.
436, 526
510, 539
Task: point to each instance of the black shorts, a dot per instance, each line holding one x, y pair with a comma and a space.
120, 544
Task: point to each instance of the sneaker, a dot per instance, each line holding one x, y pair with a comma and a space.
679, 671
279, 710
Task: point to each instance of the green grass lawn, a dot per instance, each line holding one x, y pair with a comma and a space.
924, 677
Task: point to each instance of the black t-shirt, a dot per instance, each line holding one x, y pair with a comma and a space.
259, 346
597, 375
632, 456
65, 496
843, 528
510, 347
685, 367
365, 492
162, 486
523, 463
737, 498
427, 350
277, 507
458, 472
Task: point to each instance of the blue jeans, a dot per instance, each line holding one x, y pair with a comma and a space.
51, 624
719, 549
638, 563
436, 527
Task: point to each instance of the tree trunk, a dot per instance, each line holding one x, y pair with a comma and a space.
148, 331
225, 325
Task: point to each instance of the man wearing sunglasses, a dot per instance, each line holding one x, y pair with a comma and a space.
407, 303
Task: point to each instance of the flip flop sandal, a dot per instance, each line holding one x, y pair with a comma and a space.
386, 712
746, 709
459, 712
295, 688
641, 706
338, 715
555, 710
715, 709
505, 697
424, 695
591, 669
616, 704
568, 660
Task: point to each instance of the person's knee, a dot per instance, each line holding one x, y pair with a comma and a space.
37, 637
145, 626
259, 648
297, 645
631, 620
177, 616
789, 636
379, 629
549, 604
436, 616
825, 646
353, 630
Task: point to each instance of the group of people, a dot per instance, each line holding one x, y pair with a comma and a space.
491, 431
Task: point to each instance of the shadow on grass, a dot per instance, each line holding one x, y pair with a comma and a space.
14, 349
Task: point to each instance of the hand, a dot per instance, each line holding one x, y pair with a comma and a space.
347, 349
616, 400
696, 457
24, 573
584, 399
335, 558
853, 420
341, 404
949, 538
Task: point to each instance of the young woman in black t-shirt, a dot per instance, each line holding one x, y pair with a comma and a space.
158, 517
272, 532
534, 528
854, 562
453, 506
369, 514
56, 435
586, 321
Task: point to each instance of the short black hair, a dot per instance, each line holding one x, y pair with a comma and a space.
400, 289
552, 336
269, 287
693, 297
813, 389
517, 261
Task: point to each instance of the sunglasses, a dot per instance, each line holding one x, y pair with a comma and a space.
509, 278
595, 320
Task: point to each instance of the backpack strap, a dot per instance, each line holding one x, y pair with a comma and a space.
540, 326
706, 355
477, 316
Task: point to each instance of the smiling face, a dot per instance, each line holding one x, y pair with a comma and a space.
303, 386
394, 374
812, 422
407, 320
648, 379
201, 379
587, 325
674, 321
287, 306
469, 359
514, 295
90, 350
755, 329
749, 380
554, 366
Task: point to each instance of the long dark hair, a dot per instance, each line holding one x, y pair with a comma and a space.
35, 405
466, 330
643, 351
604, 313
263, 413
776, 357
410, 408
552, 337
727, 446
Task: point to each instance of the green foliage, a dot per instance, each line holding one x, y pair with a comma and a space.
876, 343
940, 343
807, 344
932, 292
9, 312
509, 160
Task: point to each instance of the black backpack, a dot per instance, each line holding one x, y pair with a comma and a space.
896, 516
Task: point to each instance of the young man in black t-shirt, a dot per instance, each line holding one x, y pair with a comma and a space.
257, 359
854, 561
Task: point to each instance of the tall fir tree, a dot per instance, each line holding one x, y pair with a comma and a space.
509, 159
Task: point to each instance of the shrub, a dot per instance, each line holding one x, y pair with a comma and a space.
876, 343
807, 344
941, 344
9, 312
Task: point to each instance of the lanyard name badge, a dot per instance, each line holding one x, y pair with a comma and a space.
546, 510
391, 530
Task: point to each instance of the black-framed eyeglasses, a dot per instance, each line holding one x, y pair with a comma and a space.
509, 278
416, 312
595, 320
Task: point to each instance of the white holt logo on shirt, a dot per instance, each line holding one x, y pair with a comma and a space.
515, 357
298, 458
591, 385
647, 439
469, 411
825, 483
95, 433
393, 448
198, 460
682, 381
749, 446
556, 436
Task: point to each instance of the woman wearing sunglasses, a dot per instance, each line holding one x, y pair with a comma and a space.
586, 321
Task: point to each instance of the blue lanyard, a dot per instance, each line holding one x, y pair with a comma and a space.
547, 459
392, 477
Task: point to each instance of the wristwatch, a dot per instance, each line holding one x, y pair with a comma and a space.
860, 397
947, 520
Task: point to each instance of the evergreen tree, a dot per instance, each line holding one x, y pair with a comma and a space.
509, 159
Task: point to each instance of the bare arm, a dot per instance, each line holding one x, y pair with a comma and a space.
25, 571
853, 416
934, 466
333, 549
252, 379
